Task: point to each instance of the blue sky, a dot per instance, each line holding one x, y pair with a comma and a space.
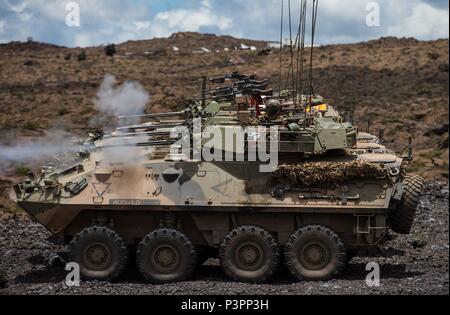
106, 21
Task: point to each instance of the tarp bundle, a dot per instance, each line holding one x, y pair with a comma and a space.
318, 173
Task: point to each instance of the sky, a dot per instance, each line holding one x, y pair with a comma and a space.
116, 21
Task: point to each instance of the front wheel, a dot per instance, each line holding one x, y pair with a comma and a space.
401, 219
315, 253
100, 252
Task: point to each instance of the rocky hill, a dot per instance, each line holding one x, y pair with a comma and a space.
398, 84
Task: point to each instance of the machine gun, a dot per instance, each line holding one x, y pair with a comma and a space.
232, 76
247, 86
158, 132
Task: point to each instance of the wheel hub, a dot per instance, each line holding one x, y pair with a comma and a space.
314, 256
249, 256
165, 259
97, 256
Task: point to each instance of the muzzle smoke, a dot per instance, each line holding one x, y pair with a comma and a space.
112, 100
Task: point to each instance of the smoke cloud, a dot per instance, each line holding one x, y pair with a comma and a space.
130, 98
112, 100
123, 151
54, 147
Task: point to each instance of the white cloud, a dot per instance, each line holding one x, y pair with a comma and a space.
206, 3
424, 22
83, 40
142, 25
192, 20
25, 16
117, 21
18, 7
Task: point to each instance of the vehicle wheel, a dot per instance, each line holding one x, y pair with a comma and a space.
166, 255
100, 252
249, 254
315, 253
402, 218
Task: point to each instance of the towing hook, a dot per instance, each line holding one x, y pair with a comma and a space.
394, 171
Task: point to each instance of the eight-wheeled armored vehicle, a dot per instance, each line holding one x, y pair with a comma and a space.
176, 189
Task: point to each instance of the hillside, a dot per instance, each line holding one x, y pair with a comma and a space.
399, 84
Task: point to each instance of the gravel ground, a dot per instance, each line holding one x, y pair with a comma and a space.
413, 264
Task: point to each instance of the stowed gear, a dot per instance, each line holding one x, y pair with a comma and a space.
318, 173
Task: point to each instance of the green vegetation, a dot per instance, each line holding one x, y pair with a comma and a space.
432, 154
14, 210
87, 111
31, 125
21, 170
433, 56
416, 166
425, 92
63, 111
444, 144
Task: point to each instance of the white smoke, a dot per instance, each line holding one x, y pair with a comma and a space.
127, 99
123, 151
53, 147
113, 100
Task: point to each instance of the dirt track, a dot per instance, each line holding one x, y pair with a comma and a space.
414, 264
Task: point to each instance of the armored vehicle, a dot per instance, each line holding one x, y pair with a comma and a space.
138, 191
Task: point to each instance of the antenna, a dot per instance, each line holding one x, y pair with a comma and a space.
203, 92
291, 67
301, 49
313, 32
281, 46
298, 77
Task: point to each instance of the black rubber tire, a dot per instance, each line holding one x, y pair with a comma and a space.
179, 244
321, 237
269, 253
103, 236
401, 219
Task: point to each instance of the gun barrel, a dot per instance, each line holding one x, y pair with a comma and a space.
141, 144
158, 115
148, 126
148, 133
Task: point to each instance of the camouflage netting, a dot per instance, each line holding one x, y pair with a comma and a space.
318, 173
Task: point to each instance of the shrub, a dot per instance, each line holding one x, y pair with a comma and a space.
31, 125
21, 170
82, 56
110, 50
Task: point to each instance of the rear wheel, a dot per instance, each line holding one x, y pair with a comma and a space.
249, 254
100, 252
166, 255
402, 218
315, 253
